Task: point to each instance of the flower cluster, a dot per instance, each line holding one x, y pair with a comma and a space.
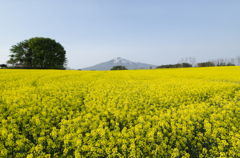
188, 112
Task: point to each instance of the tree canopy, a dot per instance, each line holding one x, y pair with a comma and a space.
205, 64
38, 52
179, 65
3, 65
119, 68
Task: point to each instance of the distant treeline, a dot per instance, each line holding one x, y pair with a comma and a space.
191, 62
209, 63
203, 64
175, 65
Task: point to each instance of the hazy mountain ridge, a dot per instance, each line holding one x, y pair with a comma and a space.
120, 62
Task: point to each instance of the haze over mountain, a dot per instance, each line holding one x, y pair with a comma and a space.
120, 62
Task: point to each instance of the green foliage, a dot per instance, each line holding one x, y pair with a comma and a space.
38, 52
206, 64
119, 68
224, 64
175, 65
3, 65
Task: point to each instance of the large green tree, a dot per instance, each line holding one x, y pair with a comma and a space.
38, 52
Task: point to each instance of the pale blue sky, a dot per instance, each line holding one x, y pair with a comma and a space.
149, 31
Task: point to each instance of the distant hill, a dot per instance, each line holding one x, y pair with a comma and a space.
121, 62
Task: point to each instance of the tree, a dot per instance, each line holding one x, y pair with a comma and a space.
38, 52
205, 64
215, 62
232, 61
119, 68
181, 61
3, 65
238, 60
186, 62
192, 61
186, 65
12, 62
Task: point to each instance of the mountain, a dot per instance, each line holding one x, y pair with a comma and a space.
120, 61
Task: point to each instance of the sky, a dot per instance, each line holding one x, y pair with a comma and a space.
150, 31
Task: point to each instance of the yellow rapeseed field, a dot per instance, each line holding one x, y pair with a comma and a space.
185, 112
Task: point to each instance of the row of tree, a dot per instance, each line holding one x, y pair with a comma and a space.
175, 65
192, 62
215, 62
210, 63
226, 61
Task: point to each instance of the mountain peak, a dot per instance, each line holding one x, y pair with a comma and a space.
119, 62
119, 58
